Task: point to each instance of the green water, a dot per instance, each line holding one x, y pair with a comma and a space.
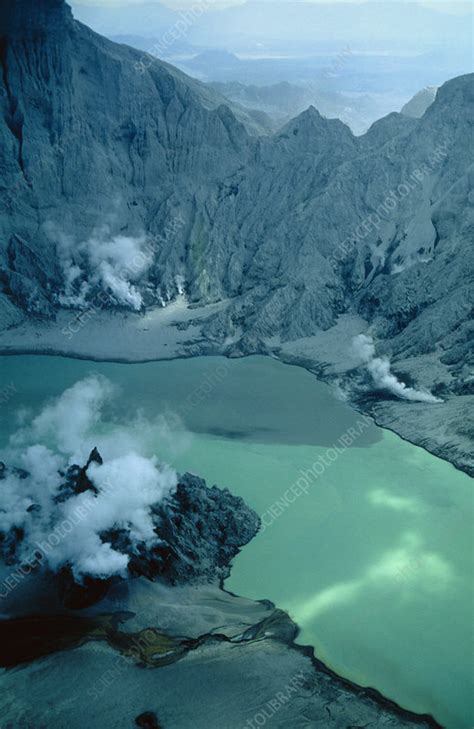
374, 562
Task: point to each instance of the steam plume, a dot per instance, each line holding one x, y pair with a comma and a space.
111, 263
383, 377
70, 531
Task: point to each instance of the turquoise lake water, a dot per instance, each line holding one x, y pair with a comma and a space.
373, 558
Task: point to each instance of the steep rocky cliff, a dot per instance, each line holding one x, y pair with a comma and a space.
90, 137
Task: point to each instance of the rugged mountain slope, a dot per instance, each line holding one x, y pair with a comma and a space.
365, 225
99, 142
87, 136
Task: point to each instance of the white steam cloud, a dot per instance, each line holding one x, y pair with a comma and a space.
67, 423
112, 263
68, 532
383, 377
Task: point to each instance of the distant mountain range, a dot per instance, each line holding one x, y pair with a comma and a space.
283, 101
357, 47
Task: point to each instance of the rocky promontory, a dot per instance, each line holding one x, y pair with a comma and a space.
199, 530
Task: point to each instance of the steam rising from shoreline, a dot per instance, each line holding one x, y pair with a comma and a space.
70, 531
380, 370
112, 263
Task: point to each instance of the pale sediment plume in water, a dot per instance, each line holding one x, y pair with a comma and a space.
380, 370
127, 485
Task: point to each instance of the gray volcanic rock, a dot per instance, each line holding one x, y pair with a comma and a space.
215, 522
73, 162
199, 531
246, 669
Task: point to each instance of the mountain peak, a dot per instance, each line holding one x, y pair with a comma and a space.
461, 87
310, 113
308, 119
310, 124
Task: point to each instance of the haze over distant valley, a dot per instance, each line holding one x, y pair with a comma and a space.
357, 62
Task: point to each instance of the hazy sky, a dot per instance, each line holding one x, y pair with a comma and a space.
450, 6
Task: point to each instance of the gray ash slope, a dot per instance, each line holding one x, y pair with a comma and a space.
292, 230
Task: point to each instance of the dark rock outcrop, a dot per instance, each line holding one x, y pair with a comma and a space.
76, 480
148, 720
199, 531
7, 470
